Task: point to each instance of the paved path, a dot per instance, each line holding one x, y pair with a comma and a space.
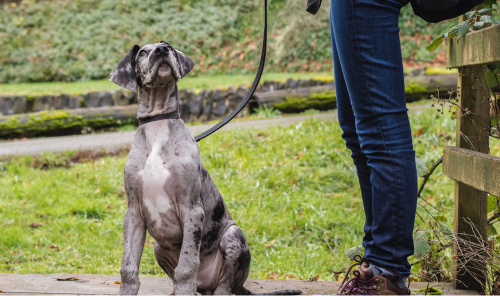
111, 141
32, 284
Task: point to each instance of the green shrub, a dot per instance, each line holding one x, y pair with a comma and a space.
66, 40
323, 101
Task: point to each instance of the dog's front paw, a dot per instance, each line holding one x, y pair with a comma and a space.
184, 289
129, 287
128, 290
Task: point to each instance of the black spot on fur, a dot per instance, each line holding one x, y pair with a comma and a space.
218, 211
197, 236
239, 235
178, 245
204, 175
212, 235
174, 92
139, 81
244, 260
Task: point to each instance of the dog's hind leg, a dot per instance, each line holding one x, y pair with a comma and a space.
236, 262
164, 260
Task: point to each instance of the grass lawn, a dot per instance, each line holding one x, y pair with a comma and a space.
293, 190
199, 82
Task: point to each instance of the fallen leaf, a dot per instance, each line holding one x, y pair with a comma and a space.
109, 206
334, 194
67, 279
315, 278
9, 222
419, 131
35, 225
90, 228
270, 244
97, 191
117, 282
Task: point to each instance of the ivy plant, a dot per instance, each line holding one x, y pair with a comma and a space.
476, 20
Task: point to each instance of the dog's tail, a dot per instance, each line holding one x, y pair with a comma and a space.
245, 292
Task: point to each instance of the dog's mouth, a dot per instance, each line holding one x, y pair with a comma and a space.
163, 68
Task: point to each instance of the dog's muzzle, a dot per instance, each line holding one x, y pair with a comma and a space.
163, 49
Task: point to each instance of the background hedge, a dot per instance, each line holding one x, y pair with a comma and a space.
71, 40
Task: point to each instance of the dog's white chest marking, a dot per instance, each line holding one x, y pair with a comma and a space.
154, 175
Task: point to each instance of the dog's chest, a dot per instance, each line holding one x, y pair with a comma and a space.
154, 177
158, 201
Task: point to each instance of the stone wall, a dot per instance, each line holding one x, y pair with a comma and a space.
206, 105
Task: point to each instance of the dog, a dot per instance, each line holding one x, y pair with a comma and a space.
170, 193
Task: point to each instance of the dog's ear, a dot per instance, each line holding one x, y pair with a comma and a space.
186, 64
124, 74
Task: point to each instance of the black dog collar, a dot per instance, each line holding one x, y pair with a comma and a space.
174, 115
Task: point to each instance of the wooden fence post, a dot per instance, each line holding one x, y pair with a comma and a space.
471, 203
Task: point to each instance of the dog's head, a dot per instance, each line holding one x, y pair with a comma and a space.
154, 65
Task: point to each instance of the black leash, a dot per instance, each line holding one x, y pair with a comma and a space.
245, 100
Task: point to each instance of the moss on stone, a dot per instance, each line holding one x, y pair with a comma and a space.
54, 122
414, 87
439, 70
429, 291
323, 101
324, 78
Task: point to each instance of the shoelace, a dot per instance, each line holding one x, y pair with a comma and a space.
356, 286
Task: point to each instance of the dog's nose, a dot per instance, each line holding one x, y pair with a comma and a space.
162, 49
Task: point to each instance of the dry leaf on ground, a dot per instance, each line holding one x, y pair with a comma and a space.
35, 225
270, 244
67, 279
315, 278
117, 282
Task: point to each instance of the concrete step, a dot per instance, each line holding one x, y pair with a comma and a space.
88, 284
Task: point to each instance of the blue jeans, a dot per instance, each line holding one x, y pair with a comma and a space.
372, 112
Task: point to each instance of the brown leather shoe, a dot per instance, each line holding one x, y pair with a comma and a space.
365, 282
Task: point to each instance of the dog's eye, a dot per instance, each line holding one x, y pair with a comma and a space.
142, 53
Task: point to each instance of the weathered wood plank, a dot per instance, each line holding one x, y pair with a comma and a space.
476, 48
470, 53
475, 169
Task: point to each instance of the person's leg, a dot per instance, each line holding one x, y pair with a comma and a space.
366, 37
348, 124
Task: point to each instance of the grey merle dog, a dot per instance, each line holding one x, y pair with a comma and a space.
170, 194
